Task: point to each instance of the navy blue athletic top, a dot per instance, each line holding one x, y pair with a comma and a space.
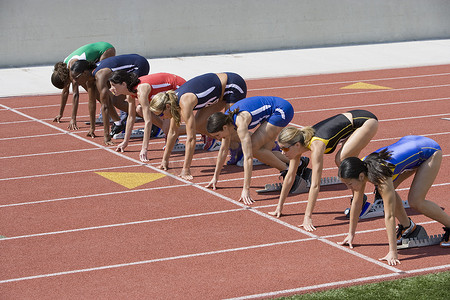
129, 62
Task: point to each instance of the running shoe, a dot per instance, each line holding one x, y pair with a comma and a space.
377, 199
235, 155
304, 161
156, 132
115, 129
296, 183
364, 210
445, 239
211, 144
405, 233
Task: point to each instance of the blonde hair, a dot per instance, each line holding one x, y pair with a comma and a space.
291, 135
159, 101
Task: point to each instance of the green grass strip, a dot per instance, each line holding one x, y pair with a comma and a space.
434, 286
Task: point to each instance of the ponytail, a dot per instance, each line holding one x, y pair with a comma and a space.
375, 166
60, 75
291, 135
159, 101
379, 166
217, 120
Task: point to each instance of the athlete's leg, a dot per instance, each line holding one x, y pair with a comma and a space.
425, 176
108, 53
263, 141
357, 141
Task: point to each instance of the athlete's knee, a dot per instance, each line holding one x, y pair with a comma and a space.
415, 201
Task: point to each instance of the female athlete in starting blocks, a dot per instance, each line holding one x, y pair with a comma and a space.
386, 168
271, 114
61, 78
356, 128
96, 78
206, 94
143, 89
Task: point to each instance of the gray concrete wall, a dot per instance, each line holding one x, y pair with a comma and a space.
45, 31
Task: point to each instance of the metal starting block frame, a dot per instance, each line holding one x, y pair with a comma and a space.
135, 134
179, 147
421, 240
377, 209
303, 187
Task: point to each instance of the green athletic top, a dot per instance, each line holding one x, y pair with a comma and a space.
90, 52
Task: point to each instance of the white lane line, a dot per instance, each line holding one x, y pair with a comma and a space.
120, 224
65, 173
345, 82
369, 92
340, 283
371, 105
48, 153
31, 136
152, 261
94, 195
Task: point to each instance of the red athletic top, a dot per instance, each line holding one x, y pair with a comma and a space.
161, 82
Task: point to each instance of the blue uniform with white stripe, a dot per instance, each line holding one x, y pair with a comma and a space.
410, 152
274, 110
129, 62
208, 89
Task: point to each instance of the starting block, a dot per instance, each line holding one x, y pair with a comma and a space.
256, 162
303, 187
375, 210
138, 134
200, 146
135, 134
422, 239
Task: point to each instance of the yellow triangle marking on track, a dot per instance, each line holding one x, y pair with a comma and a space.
131, 180
365, 86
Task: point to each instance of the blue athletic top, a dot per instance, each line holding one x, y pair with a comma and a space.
275, 110
410, 152
129, 62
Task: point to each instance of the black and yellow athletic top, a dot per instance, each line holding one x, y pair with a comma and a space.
334, 129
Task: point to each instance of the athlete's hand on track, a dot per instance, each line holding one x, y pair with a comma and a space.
348, 240
164, 165
143, 155
307, 224
186, 175
91, 133
391, 258
246, 198
108, 141
57, 119
72, 125
276, 213
121, 147
212, 184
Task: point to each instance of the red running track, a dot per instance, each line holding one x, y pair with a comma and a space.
71, 233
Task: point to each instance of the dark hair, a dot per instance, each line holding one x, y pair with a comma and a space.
82, 65
60, 75
217, 120
130, 78
376, 167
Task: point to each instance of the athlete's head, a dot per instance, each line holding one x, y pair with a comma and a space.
122, 78
165, 104
60, 75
